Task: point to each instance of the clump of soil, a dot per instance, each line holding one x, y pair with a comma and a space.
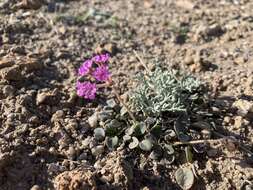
75, 179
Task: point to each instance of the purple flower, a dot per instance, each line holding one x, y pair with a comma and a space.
85, 67
101, 73
101, 58
86, 90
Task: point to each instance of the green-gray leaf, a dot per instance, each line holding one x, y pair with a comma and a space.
99, 133
134, 143
146, 145
111, 142
169, 149
126, 138
184, 178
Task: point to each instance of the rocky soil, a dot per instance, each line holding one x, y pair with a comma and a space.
46, 130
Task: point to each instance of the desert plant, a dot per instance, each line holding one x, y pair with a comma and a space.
163, 91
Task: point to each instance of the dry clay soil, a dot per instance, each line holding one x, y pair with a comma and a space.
42, 43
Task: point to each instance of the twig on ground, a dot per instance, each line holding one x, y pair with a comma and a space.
198, 142
222, 139
142, 62
240, 145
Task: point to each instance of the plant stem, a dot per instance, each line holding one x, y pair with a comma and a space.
142, 62
110, 85
123, 103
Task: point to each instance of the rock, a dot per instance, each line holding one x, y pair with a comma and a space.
206, 134
93, 120
180, 39
51, 6
30, 4
185, 4
86, 142
111, 48
98, 164
99, 49
148, 3
71, 153
34, 120
18, 50
230, 144
62, 29
238, 122
83, 156
52, 150
208, 32
227, 120
111, 103
105, 115
11, 73
123, 111
243, 107
232, 24
53, 168
49, 98
6, 63
63, 54
35, 187
97, 150
240, 60
249, 187
5, 39
214, 30
212, 152
59, 114
15, 68
30, 64
8, 90
93, 143
189, 60
72, 98
125, 97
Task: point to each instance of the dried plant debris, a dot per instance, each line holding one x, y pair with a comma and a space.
163, 91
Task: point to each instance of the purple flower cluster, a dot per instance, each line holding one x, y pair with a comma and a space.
103, 58
85, 68
101, 73
86, 89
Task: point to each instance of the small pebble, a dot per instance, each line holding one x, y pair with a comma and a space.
35, 187
93, 120
97, 150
